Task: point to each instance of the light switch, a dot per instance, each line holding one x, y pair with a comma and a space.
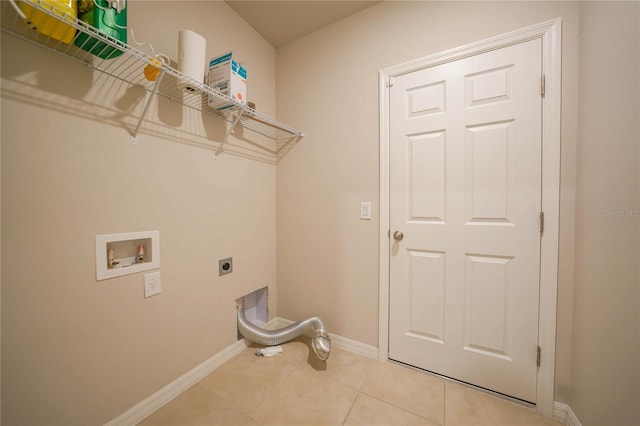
365, 210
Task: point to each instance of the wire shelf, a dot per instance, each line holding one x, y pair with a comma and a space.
130, 65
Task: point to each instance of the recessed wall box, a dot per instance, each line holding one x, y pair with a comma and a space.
225, 266
256, 308
127, 253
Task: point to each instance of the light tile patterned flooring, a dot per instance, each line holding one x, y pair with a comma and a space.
295, 388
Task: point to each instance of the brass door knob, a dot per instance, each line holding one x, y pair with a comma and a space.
398, 235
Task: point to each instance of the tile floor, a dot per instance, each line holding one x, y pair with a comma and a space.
295, 388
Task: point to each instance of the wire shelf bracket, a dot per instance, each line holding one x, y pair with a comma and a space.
129, 68
152, 95
226, 136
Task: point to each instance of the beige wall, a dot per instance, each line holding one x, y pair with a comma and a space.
606, 345
81, 352
327, 85
69, 173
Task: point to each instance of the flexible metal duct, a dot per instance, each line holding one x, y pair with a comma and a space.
320, 340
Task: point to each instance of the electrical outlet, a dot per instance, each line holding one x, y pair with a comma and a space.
152, 284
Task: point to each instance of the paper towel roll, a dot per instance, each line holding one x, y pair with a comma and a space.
192, 51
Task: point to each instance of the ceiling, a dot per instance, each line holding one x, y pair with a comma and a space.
280, 22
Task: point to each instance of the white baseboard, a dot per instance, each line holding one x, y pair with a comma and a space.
339, 342
563, 413
277, 323
560, 411
354, 346
149, 405
572, 419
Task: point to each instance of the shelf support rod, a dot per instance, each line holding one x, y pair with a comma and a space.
134, 135
229, 130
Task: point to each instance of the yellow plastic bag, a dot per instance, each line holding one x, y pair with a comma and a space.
52, 26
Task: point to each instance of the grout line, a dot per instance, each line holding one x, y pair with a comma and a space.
350, 408
398, 407
444, 397
268, 390
293, 363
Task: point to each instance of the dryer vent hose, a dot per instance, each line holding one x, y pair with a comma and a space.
314, 327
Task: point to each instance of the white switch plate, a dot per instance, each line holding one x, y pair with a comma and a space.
152, 284
365, 210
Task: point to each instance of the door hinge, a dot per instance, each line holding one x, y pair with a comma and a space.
538, 357
541, 223
389, 83
542, 85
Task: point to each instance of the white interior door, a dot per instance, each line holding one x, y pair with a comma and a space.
465, 192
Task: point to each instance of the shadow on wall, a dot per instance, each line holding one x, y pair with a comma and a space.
50, 81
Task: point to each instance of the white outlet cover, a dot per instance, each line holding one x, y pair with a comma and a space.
152, 284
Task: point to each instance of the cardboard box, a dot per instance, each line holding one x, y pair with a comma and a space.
230, 78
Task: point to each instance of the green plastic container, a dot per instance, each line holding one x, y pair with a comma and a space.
108, 20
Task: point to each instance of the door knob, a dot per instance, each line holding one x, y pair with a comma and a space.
398, 235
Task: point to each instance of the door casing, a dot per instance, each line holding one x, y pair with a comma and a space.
550, 33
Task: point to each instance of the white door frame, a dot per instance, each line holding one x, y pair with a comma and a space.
550, 33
